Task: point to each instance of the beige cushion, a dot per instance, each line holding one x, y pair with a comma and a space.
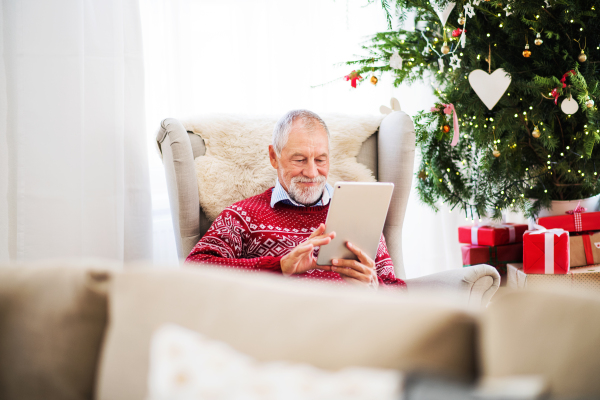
552, 334
52, 320
272, 318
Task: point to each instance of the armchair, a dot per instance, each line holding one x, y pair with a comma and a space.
389, 153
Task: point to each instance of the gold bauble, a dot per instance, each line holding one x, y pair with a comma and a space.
374, 80
538, 40
582, 57
526, 52
536, 132
461, 20
589, 103
446, 128
445, 48
496, 153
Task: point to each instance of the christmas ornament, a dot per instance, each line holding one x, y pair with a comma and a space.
422, 174
589, 103
469, 10
538, 40
526, 52
457, 32
353, 77
554, 93
536, 132
374, 80
582, 57
569, 106
396, 60
441, 64
455, 61
445, 48
489, 87
443, 12
461, 20
507, 10
496, 153
446, 128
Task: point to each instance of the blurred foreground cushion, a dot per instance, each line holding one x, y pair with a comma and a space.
186, 365
52, 320
270, 318
550, 334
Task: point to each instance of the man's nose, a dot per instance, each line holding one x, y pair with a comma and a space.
311, 169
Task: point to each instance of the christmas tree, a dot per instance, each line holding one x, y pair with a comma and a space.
541, 140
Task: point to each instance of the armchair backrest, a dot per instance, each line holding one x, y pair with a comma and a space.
388, 153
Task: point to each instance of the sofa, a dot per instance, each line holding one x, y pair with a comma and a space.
82, 330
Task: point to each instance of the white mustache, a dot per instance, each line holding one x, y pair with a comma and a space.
318, 179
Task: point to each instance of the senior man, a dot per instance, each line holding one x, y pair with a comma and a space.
280, 230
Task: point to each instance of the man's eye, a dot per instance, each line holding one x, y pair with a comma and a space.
298, 160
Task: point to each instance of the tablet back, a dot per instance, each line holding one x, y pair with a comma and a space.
357, 215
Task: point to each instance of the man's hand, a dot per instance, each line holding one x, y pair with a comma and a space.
361, 272
301, 258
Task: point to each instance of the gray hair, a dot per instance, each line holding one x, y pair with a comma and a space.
282, 130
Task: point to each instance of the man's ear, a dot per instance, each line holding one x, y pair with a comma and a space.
273, 156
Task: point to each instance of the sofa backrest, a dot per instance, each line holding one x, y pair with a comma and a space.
272, 318
52, 321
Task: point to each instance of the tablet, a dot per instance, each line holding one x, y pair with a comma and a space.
357, 215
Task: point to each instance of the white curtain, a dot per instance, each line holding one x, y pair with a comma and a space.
262, 57
73, 145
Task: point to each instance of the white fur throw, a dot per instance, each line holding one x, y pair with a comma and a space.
236, 164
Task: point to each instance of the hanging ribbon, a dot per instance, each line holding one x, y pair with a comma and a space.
353, 77
587, 248
577, 216
554, 92
449, 109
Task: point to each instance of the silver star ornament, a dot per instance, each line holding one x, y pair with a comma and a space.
469, 10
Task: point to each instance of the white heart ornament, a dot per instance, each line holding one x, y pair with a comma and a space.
444, 13
569, 106
489, 87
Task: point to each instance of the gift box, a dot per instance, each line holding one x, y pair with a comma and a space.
496, 256
584, 249
582, 278
546, 251
487, 235
574, 222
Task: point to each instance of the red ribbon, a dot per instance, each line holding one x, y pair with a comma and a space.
587, 248
577, 216
449, 108
554, 92
353, 77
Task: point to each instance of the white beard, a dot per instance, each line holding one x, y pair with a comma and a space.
309, 195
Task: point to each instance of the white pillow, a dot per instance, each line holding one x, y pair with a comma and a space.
236, 163
186, 365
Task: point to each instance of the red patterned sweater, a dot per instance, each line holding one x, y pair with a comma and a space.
253, 236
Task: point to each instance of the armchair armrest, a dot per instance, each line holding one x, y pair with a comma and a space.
475, 285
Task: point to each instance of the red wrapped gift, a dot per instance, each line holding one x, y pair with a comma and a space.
575, 222
493, 255
487, 235
584, 249
546, 251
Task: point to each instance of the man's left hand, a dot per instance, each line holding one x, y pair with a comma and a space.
361, 272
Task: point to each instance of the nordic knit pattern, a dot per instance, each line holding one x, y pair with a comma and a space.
253, 236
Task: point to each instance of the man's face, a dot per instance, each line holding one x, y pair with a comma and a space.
303, 166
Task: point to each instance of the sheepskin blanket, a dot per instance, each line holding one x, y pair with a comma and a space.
236, 164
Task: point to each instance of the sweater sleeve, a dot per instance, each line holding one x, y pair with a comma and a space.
385, 267
223, 245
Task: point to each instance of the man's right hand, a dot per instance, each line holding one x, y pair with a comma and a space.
301, 258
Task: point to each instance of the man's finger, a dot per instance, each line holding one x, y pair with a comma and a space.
319, 231
352, 264
321, 241
351, 273
362, 256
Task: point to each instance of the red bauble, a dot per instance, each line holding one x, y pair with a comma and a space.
457, 32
